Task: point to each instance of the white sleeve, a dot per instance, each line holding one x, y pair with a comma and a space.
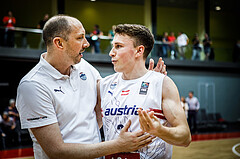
198, 104
34, 104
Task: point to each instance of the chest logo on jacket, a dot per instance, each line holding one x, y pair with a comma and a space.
83, 76
113, 85
59, 90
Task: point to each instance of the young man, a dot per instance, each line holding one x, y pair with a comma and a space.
133, 87
56, 99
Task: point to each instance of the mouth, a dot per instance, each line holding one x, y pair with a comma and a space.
114, 61
81, 53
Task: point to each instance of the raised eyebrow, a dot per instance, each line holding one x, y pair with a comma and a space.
117, 43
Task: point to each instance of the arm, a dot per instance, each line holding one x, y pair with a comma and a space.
50, 139
100, 34
179, 133
98, 109
13, 125
164, 41
14, 20
198, 104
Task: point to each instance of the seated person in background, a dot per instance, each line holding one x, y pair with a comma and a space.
133, 87
12, 110
2, 135
8, 127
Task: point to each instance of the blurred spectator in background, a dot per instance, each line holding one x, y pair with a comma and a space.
111, 33
196, 48
12, 110
43, 21
212, 54
2, 135
207, 46
40, 25
9, 22
236, 52
185, 106
194, 106
8, 127
182, 42
165, 44
95, 39
171, 41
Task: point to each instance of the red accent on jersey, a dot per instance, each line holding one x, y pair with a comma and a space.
124, 155
124, 93
158, 113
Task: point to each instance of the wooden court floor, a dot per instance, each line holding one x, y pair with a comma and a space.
208, 149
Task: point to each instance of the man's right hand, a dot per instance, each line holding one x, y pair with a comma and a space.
132, 141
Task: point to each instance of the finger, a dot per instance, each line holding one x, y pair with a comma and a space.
140, 117
155, 118
151, 114
160, 61
148, 119
146, 141
151, 64
164, 69
148, 110
161, 67
125, 128
138, 133
157, 69
144, 137
145, 144
165, 123
142, 121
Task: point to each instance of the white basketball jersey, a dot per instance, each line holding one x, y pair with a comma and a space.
120, 100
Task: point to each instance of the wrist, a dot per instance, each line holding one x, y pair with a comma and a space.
162, 131
117, 145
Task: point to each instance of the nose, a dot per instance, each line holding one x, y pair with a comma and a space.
112, 52
86, 44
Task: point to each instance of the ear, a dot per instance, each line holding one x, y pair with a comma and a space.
140, 50
58, 42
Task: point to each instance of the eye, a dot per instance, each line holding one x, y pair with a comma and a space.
118, 46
